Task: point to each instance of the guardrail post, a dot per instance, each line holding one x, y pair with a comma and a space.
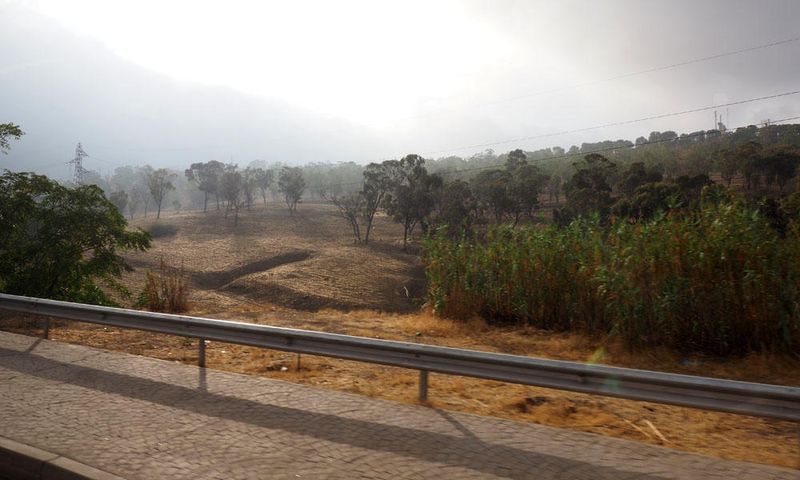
423, 385
46, 333
201, 353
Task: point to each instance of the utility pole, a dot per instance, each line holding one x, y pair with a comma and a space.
77, 162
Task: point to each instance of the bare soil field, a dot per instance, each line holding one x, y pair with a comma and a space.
304, 272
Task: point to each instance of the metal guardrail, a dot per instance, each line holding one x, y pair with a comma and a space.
762, 400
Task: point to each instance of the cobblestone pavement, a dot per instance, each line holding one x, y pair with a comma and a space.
142, 418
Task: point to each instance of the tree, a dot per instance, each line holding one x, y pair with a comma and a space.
727, 164
525, 183
554, 187
61, 243
159, 182
137, 197
636, 175
249, 186
206, 176
779, 164
350, 207
749, 152
263, 179
231, 187
515, 159
292, 185
648, 200
489, 187
512, 192
119, 199
691, 187
411, 201
589, 189
9, 130
455, 207
379, 180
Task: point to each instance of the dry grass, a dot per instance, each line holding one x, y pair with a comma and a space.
165, 290
373, 278
306, 261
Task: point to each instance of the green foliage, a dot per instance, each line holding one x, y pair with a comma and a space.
717, 280
779, 164
292, 185
58, 242
379, 180
748, 154
9, 130
411, 199
649, 200
455, 207
635, 176
120, 200
207, 177
263, 179
589, 189
159, 182
512, 192
728, 165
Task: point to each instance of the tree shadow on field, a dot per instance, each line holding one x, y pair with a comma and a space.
463, 449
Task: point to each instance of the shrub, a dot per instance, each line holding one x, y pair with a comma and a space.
165, 290
158, 230
719, 280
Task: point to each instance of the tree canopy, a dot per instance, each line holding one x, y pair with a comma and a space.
7, 131
61, 243
292, 185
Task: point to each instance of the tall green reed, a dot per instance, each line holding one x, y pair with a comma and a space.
718, 280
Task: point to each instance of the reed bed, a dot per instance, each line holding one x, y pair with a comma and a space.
718, 280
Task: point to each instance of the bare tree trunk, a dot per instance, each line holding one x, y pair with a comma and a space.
405, 235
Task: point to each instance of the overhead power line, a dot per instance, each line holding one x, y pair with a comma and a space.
613, 124
563, 156
610, 79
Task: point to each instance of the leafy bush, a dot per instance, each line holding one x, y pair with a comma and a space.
718, 280
165, 290
158, 230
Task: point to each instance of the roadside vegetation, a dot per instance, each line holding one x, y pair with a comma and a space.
718, 280
688, 241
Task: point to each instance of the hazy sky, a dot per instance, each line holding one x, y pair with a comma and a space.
297, 81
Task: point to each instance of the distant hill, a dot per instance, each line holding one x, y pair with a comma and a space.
62, 88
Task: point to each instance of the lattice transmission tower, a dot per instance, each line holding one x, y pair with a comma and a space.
77, 165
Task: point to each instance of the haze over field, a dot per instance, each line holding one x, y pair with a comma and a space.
173, 83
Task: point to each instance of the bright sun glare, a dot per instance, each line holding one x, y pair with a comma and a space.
368, 62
